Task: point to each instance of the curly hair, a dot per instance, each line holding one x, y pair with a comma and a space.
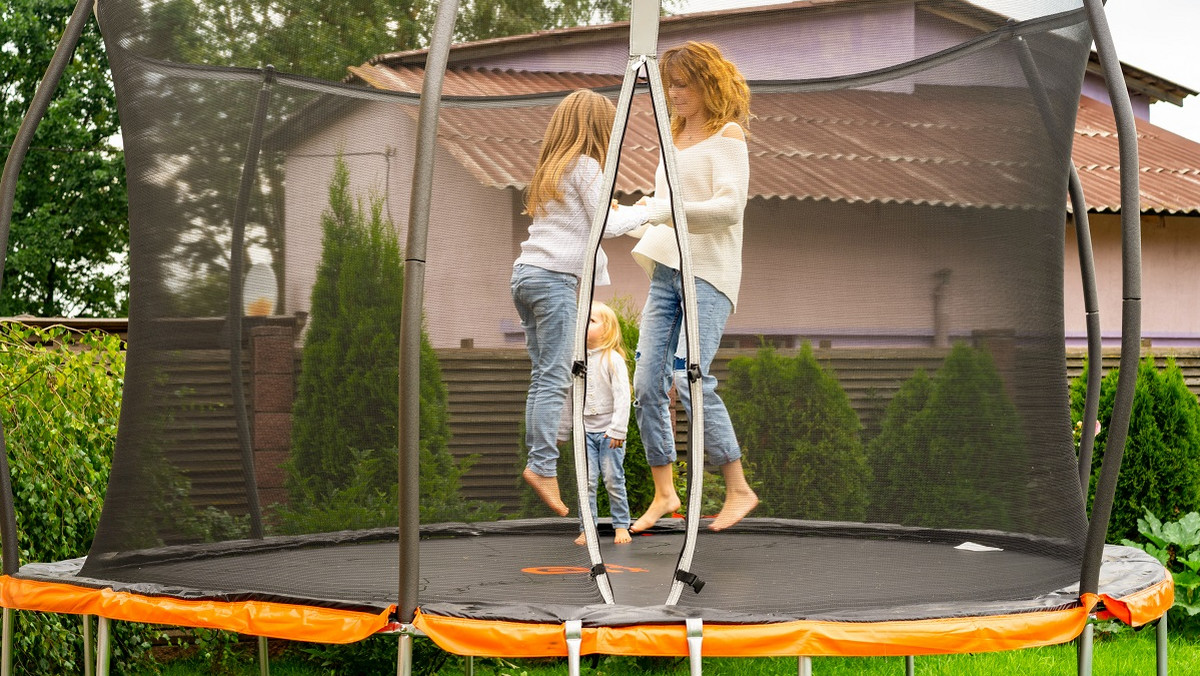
723, 87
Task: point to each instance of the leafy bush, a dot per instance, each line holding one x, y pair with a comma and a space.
61, 399
959, 424
1160, 469
345, 419
1176, 544
800, 434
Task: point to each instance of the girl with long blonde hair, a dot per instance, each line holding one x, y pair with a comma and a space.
562, 198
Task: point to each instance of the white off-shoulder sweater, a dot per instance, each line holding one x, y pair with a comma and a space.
714, 180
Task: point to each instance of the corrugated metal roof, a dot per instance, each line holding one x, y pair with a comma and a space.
847, 146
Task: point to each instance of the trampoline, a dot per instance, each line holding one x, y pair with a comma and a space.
885, 526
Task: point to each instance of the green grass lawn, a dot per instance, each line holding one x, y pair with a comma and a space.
1124, 654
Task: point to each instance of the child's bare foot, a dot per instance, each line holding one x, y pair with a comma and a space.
546, 488
658, 508
582, 539
737, 505
622, 537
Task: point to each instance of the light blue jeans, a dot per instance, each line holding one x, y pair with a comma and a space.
546, 303
662, 320
609, 463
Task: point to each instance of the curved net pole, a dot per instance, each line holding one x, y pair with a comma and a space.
1091, 308
237, 251
1131, 304
409, 498
1087, 264
8, 192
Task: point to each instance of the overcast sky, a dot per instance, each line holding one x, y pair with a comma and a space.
1159, 36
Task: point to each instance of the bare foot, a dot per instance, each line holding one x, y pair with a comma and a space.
658, 508
737, 506
546, 488
622, 537
582, 539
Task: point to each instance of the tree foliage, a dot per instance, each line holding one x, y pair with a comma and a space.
800, 435
61, 398
69, 236
942, 455
1160, 469
345, 429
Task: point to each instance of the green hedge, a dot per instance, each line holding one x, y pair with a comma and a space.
62, 395
958, 424
1160, 469
800, 436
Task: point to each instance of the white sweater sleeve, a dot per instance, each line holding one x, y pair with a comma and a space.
591, 190
621, 397
730, 181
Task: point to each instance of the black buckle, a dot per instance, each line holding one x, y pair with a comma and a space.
598, 570
690, 579
579, 368
694, 373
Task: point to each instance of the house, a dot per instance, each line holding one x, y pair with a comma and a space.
852, 190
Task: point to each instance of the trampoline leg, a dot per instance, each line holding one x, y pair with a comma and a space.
404, 658
695, 639
1084, 650
469, 669
88, 665
6, 649
804, 666
102, 647
264, 657
1160, 645
910, 665
574, 631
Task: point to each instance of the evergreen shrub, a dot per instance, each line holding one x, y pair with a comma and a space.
1160, 469
943, 448
345, 433
800, 436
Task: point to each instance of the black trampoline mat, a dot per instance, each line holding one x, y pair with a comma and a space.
544, 576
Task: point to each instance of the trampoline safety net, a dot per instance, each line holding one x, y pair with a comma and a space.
893, 368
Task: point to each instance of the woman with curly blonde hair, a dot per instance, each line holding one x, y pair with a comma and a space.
709, 104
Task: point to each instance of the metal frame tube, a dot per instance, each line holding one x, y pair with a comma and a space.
1160, 646
404, 655
264, 657
910, 665
88, 665
1131, 309
8, 194
409, 498
1084, 648
103, 649
6, 649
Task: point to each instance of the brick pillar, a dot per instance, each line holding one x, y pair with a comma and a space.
272, 378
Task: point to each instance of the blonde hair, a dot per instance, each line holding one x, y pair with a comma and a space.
610, 329
581, 125
723, 89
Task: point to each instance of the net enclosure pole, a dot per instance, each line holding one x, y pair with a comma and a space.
412, 305
237, 250
1131, 293
1087, 264
8, 194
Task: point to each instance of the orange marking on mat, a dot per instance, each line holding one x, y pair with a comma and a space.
577, 570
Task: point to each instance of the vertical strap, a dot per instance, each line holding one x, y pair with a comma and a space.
691, 332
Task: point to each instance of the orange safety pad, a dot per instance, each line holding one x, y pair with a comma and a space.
813, 638
1143, 606
256, 618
